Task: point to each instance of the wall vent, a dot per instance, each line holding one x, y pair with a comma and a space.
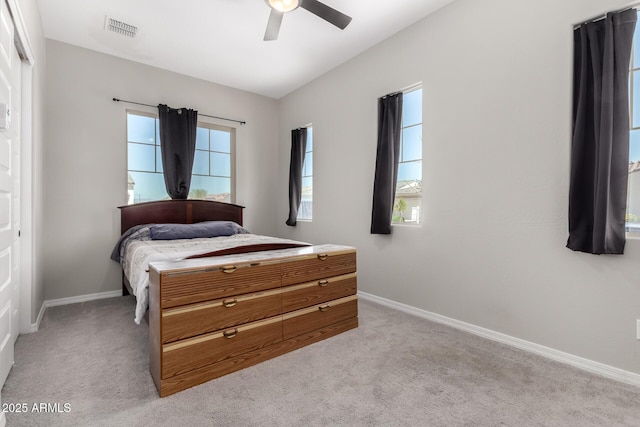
120, 27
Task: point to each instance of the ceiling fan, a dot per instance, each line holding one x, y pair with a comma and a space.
280, 7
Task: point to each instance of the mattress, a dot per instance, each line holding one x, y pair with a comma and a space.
136, 254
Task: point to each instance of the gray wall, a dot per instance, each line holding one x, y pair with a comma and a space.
85, 160
497, 124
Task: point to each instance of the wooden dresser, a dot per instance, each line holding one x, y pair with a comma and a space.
212, 316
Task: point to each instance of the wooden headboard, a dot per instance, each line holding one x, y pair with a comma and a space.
178, 211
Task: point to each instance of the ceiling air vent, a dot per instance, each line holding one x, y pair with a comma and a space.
120, 27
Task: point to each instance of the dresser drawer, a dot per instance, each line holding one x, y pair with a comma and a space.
316, 317
182, 288
318, 266
196, 319
304, 295
183, 356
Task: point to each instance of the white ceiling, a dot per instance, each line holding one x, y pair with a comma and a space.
221, 40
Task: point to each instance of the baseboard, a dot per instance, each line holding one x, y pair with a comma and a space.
81, 298
550, 353
64, 301
35, 326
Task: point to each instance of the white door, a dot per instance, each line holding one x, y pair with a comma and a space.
9, 192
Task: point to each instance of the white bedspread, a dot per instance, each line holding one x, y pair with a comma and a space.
140, 253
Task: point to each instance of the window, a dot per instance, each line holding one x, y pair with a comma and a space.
633, 191
408, 201
306, 202
213, 165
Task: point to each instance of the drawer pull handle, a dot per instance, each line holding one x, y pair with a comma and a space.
324, 307
230, 334
230, 303
323, 283
322, 257
229, 268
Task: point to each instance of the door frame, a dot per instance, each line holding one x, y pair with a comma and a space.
27, 169
28, 253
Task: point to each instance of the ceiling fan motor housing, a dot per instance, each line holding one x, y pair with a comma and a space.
284, 5
321, 10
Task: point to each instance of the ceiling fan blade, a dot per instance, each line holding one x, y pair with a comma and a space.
327, 13
273, 26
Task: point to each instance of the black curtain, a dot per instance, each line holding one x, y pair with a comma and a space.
178, 143
600, 145
298, 149
386, 176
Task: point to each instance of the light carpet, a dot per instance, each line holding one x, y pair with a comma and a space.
394, 370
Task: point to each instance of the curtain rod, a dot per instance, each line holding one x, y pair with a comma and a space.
604, 15
205, 115
391, 94
403, 90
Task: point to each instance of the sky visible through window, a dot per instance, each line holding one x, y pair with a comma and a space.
410, 167
212, 164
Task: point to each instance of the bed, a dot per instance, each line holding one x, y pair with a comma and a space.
220, 304
148, 234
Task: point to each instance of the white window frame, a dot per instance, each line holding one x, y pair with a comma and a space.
205, 125
308, 154
420, 206
633, 232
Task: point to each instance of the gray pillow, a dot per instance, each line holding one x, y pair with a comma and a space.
194, 231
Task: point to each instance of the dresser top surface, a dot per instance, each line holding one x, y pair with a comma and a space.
252, 257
